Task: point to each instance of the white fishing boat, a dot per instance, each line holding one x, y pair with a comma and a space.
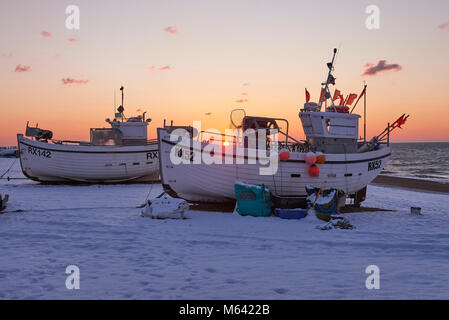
121, 153
331, 156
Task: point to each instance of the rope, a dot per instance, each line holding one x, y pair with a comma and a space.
149, 192
146, 199
274, 181
8, 168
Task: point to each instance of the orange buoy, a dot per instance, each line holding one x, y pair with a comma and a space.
320, 158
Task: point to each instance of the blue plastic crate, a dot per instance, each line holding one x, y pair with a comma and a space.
290, 213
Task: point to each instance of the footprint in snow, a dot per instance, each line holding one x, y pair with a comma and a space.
280, 290
231, 281
156, 275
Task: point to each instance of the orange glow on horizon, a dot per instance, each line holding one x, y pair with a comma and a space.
193, 64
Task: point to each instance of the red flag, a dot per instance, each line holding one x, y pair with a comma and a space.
323, 96
350, 99
337, 94
363, 92
395, 124
307, 96
402, 121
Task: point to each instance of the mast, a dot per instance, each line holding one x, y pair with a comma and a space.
121, 89
330, 80
364, 116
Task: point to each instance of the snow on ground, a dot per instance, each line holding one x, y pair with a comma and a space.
214, 255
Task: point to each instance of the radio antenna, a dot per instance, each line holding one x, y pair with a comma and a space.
121, 89
338, 52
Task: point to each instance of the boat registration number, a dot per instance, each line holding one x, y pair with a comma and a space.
374, 165
185, 154
38, 152
152, 155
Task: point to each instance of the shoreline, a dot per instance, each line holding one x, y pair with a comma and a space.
411, 184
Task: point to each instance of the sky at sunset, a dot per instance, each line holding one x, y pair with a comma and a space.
199, 59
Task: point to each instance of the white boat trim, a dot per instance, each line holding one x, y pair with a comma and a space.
215, 182
87, 164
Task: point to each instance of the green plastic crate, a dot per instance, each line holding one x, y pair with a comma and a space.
253, 200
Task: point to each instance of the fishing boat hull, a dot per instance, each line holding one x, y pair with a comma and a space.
65, 163
349, 172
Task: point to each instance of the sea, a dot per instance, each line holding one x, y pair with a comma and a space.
420, 160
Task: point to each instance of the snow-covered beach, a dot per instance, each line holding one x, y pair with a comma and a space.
214, 255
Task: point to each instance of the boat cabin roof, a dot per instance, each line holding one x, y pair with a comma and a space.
251, 122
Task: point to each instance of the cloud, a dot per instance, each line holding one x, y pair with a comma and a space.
46, 34
153, 68
8, 55
71, 81
241, 100
372, 70
443, 26
73, 40
171, 30
20, 68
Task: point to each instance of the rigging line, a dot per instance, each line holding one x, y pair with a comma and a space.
9, 168
66, 209
274, 182
146, 199
148, 195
